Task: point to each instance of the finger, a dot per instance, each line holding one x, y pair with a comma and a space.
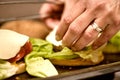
51, 23
71, 8
101, 22
89, 34
48, 8
77, 27
70, 13
106, 35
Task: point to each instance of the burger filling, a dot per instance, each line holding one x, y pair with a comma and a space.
27, 48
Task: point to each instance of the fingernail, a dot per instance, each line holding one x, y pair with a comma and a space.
57, 38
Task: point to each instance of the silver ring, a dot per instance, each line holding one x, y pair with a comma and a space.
96, 27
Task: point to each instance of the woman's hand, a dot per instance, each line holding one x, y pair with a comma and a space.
80, 18
83, 20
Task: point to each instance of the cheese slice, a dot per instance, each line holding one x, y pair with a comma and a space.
51, 38
10, 43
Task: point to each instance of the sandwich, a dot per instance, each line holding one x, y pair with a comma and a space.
39, 56
67, 57
13, 49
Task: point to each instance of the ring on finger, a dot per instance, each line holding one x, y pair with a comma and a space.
96, 27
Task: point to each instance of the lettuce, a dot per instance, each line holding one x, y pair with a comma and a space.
40, 45
113, 45
39, 67
115, 40
38, 59
65, 53
36, 65
44, 49
36, 62
6, 69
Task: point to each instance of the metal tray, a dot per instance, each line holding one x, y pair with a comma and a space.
109, 65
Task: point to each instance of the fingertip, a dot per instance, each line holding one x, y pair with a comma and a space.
57, 35
96, 45
57, 38
51, 23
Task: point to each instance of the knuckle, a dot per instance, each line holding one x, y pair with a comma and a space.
100, 5
74, 29
67, 20
88, 36
109, 11
117, 22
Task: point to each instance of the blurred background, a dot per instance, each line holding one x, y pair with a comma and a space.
15, 10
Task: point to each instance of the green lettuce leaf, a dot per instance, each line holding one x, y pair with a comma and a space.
36, 60
36, 65
65, 53
40, 45
113, 45
115, 40
6, 69
44, 49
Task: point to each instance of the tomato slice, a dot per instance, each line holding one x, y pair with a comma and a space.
27, 48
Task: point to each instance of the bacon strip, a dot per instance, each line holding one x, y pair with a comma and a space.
26, 49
